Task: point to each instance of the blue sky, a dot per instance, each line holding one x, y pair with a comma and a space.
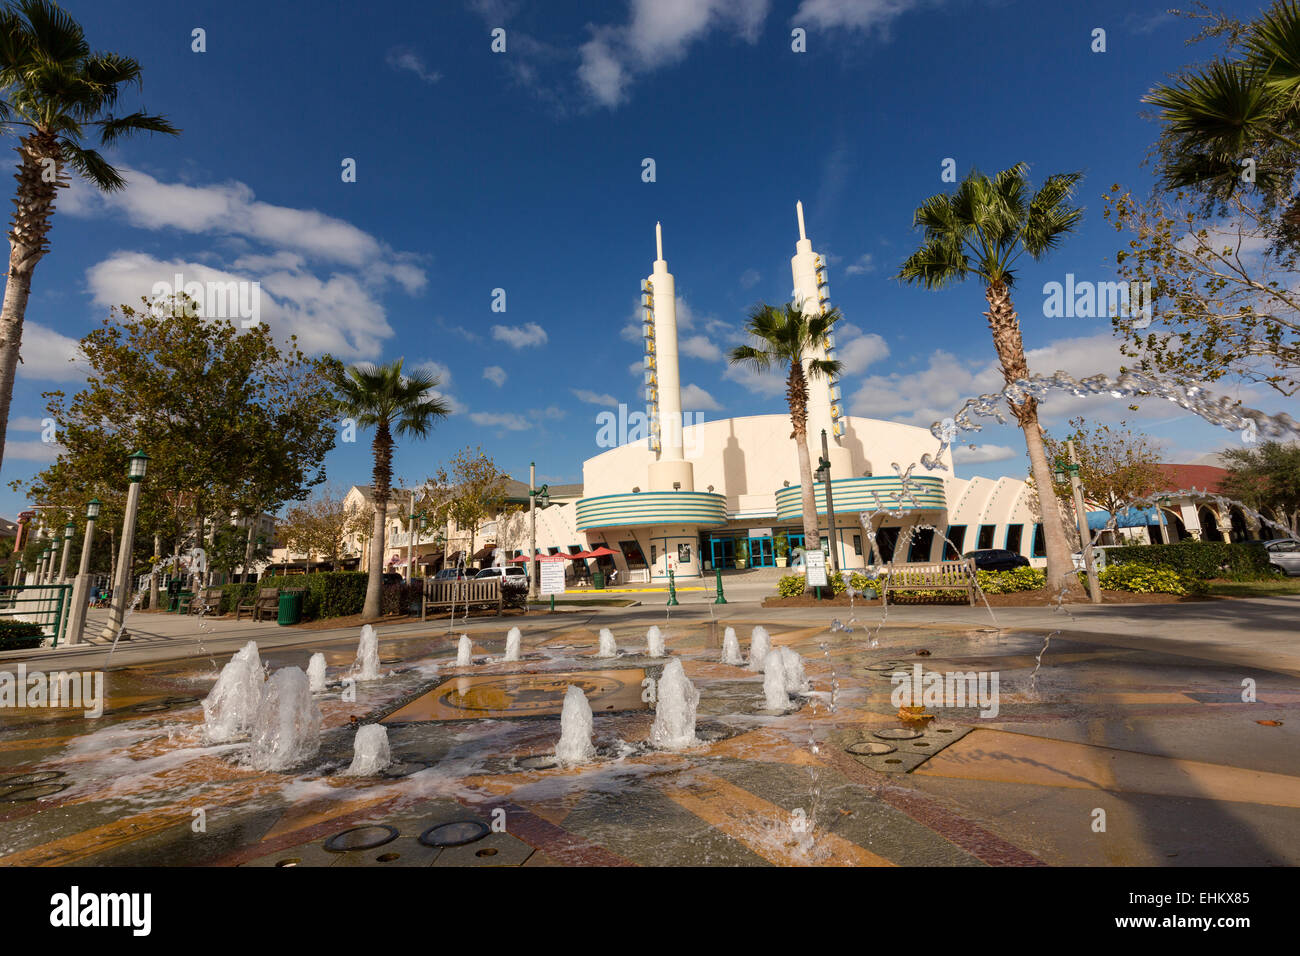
522, 171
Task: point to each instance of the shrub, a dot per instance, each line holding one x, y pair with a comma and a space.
20, 635
1006, 582
860, 582
836, 581
1144, 579
791, 585
1240, 561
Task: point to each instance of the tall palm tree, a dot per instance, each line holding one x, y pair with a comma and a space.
386, 399
783, 336
981, 230
54, 88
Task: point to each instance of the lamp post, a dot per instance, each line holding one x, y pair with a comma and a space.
1085, 540
1161, 505
67, 543
825, 470
533, 495
137, 464
77, 617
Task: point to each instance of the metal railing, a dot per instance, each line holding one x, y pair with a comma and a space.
44, 604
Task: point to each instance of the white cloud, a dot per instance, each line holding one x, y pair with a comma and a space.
856, 349
865, 15
520, 336
495, 374
336, 315
594, 398
26, 423
35, 450
506, 420
404, 59
230, 209
637, 369
861, 265
696, 399
749, 278
658, 34
766, 384
698, 346
49, 356
980, 454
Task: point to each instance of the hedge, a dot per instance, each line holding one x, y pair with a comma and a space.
1007, 582
1239, 561
328, 593
1145, 579
20, 635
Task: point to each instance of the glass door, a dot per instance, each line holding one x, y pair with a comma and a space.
723, 551
761, 553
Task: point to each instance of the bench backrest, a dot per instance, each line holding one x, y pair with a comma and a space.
922, 575
447, 591
268, 594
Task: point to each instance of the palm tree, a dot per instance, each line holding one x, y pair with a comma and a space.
783, 336
1215, 118
981, 230
386, 398
53, 88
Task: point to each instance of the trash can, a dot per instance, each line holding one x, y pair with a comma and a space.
182, 602
597, 580
290, 607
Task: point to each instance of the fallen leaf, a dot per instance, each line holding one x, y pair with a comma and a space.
1270, 723
923, 653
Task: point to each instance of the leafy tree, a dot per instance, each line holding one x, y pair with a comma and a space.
1228, 295
232, 422
476, 490
782, 337
981, 230
1116, 465
386, 399
1267, 478
56, 90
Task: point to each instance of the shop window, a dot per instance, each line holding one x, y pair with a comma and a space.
857, 545
1013, 537
956, 541
1040, 541
986, 537
632, 554
921, 542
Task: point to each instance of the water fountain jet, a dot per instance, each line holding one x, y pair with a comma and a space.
286, 727
607, 646
366, 666
513, 637
576, 728
316, 673
731, 648
370, 752
229, 708
654, 640
464, 648
759, 644
676, 703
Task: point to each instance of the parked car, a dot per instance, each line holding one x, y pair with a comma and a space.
511, 576
452, 574
392, 577
997, 559
1284, 555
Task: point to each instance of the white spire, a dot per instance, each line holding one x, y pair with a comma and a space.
659, 242
798, 208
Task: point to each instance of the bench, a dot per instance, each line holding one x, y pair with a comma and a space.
266, 602
473, 593
945, 576
207, 601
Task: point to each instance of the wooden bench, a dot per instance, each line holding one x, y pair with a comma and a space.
266, 602
207, 601
466, 594
945, 576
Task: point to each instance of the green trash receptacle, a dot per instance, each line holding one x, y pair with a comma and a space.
182, 602
597, 580
290, 607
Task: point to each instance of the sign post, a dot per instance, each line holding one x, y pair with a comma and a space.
815, 568
552, 579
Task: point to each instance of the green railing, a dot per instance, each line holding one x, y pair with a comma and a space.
44, 604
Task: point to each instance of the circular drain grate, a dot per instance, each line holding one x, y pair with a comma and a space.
361, 838
539, 762
390, 660
36, 776
33, 791
870, 748
882, 666
457, 833
897, 733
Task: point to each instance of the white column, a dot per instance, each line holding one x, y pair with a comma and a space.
803, 268
117, 614
670, 465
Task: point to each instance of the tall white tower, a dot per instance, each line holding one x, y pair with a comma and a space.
825, 409
670, 465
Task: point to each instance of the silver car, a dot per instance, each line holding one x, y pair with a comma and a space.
1284, 555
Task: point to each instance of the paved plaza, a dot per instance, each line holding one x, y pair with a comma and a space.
1135, 718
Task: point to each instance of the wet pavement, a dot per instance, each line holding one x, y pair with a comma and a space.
1125, 749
